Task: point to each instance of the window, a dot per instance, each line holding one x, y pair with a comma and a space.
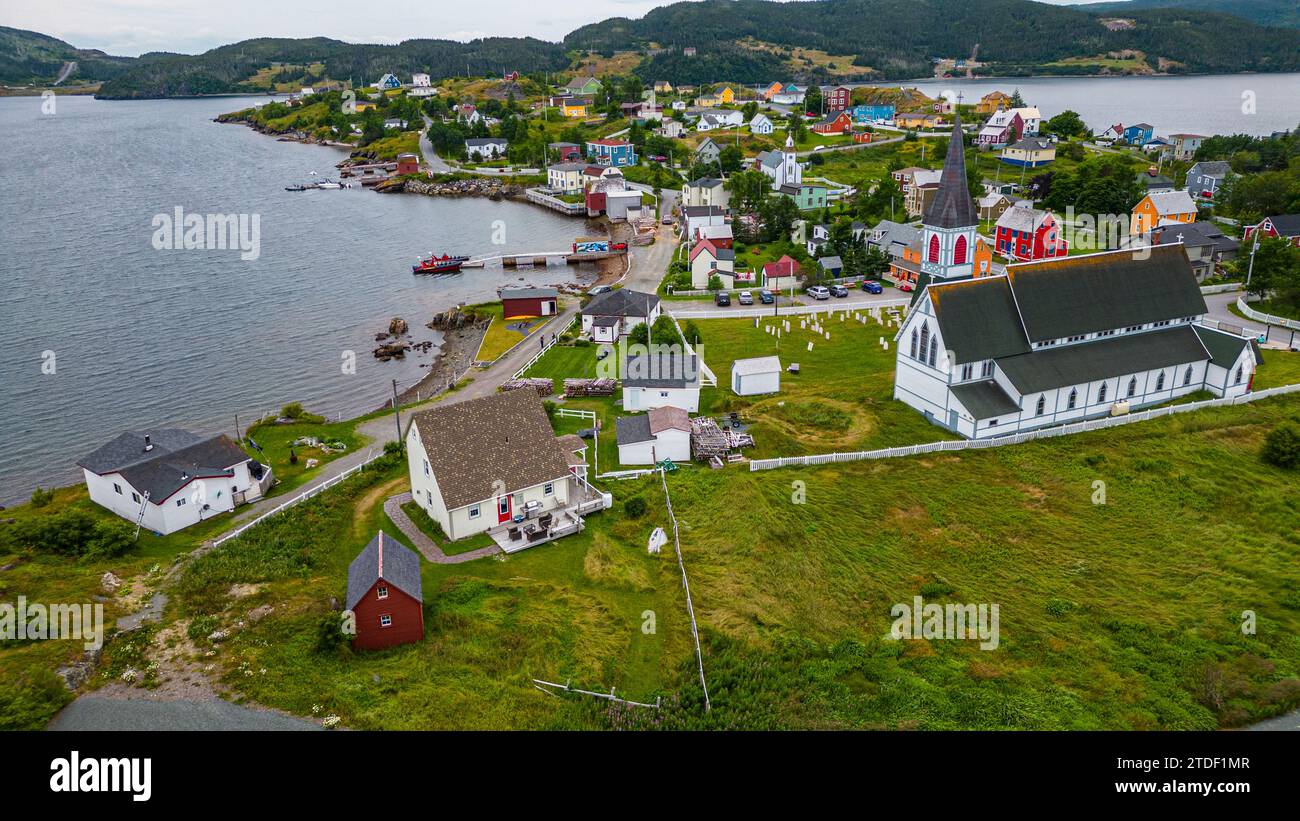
1236, 378
180, 502
1160, 381
385, 620
959, 253
1041, 406
925, 339
663, 394
474, 512
1132, 385
1187, 376
548, 489
934, 349
503, 505
934, 248
426, 467
914, 343
966, 371
118, 488
1073, 400
987, 370
381, 591
135, 497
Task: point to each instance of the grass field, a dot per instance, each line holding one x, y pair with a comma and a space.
277, 441
500, 336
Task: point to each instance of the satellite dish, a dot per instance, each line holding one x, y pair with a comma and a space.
657, 540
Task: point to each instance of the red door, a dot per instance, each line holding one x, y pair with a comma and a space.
503, 509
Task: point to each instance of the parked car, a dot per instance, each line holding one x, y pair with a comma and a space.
745, 298
818, 147
819, 292
765, 296
838, 290
872, 287
658, 158
722, 299
600, 289
667, 220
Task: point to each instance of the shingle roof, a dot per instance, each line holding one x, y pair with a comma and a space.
952, 206
1057, 367
1214, 168
621, 302
628, 430
668, 370
977, 319
668, 418
1287, 225
1068, 296
1172, 202
473, 444
985, 399
176, 458
388, 559
1224, 348
756, 365
1021, 218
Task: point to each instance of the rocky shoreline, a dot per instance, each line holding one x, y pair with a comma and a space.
480, 187
462, 334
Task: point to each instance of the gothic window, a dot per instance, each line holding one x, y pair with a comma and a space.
1132, 385
914, 343
1187, 376
1074, 399
1236, 379
966, 371
1101, 393
1160, 381
934, 247
925, 339
987, 370
959, 254
1041, 406
934, 350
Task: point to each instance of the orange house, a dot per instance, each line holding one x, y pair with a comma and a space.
905, 271
1160, 208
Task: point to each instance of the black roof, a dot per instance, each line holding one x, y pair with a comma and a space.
632, 429
1194, 234
1287, 225
952, 206
621, 302
985, 399
666, 370
400, 568
978, 319
1224, 348
1057, 367
175, 458
1068, 296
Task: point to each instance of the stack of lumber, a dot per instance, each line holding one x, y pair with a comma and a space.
590, 387
708, 441
544, 387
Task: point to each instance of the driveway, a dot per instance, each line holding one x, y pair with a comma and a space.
98, 713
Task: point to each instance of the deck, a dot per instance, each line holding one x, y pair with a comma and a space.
565, 521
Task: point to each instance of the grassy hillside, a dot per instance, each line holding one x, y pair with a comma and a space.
30, 57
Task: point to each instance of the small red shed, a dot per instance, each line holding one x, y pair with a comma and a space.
384, 595
407, 164
521, 302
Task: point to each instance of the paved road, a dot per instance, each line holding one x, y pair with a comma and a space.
1218, 305
92, 712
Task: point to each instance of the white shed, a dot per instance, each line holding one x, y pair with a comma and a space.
663, 433
750, 377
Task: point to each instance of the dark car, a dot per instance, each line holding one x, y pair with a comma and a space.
839, 290
765, 296
722, 299
872, 287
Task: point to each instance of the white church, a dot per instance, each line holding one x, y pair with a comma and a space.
1053, 341
782, 167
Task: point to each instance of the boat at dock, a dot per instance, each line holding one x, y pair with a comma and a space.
444, 264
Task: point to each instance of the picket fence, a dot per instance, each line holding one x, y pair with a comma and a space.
1267, 319
1016, 438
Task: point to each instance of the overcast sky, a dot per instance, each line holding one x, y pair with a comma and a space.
132, 27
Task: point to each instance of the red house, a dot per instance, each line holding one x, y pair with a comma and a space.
840, 123
838, 99
1281, 225
528, 302
384, 595
407, 164
1025, 233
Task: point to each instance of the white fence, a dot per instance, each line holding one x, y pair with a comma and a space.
750, 313
1219, 289
1267, 319
1017, 438
554, 338
307, 494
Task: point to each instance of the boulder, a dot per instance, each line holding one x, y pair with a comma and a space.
110, 582
398, 327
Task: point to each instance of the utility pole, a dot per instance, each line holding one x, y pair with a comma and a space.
239, 437
1250, 269
397, 416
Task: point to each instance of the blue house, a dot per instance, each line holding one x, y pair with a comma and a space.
1139, 134
614, 153
872, 113
388, 81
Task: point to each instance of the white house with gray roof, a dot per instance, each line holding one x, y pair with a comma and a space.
1064, 340
169, 479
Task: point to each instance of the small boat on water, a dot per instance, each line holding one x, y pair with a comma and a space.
435, 264
328, 184
297, 187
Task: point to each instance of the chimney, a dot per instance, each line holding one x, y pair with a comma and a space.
148, 446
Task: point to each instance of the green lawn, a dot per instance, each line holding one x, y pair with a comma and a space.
277, 441
565, 361
500, 336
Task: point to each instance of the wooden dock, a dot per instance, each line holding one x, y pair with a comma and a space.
541, 259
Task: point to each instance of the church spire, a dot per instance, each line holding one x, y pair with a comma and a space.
952, 206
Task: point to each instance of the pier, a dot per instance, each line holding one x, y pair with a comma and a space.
540, 259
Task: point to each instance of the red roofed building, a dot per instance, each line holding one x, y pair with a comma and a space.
782, 273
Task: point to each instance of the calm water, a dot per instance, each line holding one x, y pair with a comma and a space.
1198, 105
143, 337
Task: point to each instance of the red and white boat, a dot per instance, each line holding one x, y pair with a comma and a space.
439, 264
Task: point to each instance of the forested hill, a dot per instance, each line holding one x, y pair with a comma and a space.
27, 55
1265, 12
226, 69
750, 40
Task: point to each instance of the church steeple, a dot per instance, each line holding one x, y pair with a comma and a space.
951, 219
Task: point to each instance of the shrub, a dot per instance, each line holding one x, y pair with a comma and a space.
70, 533
1282, 447
201, 627
635, 507
41, 498
330, 637
582, 343
392, 448
293, 410
1059, 607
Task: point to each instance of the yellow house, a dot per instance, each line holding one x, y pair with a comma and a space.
993, 102
364, 105
918, 120
663, 87
1161, 208
726, 95
574, 108
708, 101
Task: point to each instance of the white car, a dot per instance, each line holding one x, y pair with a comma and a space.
819, 292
